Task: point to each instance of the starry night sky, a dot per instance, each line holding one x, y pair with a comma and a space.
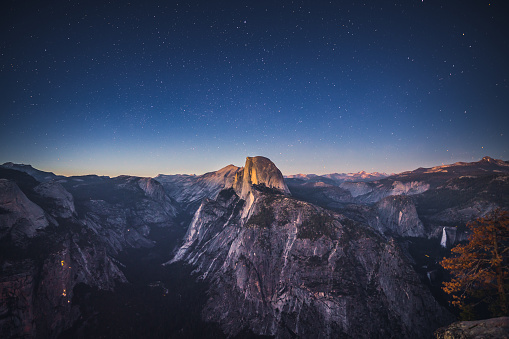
148, 87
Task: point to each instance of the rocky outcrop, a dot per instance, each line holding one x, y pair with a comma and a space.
396, 215
116, 226
60, 273
36, 295
289, 268
189, 189
156, 206
42, 260
362, 192
40, 176
357, 188
385, 188
495, 328
259, 171
122, 211
465, 213
409, 188
16, 299
63, 200
259, 174
19, 217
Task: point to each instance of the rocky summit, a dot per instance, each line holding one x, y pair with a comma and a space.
259, 172
238, 252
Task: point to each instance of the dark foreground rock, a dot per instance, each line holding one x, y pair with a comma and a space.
495, 328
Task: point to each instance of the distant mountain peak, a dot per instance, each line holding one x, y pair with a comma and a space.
498, 162
227, 169
13, 165
337, 178
490, 160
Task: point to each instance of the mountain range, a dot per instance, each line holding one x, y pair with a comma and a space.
340, 177
251, 253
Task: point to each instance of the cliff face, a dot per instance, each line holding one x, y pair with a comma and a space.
397, 216
16, 300
36, 294
290, 268
259, 171
417, 203
258, 175
63, 200
122, 211
191, 189
19, 217
49, 244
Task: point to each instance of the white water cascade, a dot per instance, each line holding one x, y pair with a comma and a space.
443, 242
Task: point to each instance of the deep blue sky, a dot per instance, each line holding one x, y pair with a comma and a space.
148, 87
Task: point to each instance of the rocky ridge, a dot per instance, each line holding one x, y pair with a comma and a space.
447, 195
40, 176
190, 189
20, 217
495, 328
339, 178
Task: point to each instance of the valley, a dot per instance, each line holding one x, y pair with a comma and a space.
239, 252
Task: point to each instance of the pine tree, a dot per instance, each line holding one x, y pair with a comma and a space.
480, 268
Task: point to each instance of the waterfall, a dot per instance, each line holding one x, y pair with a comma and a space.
443, 242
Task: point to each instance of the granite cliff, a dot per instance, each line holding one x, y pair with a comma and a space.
416, 203
283, 267
52, 240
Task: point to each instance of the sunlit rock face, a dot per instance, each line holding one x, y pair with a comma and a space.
259, 171
289, 268
258, 175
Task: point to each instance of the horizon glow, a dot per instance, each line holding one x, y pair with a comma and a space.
146, 88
